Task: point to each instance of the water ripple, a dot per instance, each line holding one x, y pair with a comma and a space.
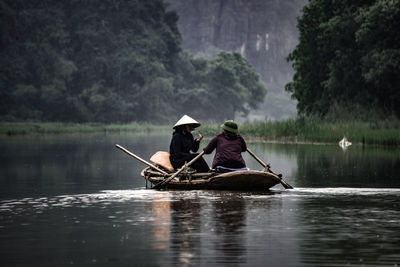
108, 197
345, 191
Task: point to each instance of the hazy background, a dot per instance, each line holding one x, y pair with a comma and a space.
264, 32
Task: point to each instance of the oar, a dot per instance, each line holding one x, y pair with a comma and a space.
140, 159
165, 182
267, 167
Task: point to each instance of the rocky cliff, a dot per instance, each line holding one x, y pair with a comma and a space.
264, 31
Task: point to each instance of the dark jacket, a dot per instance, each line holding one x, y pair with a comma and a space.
181, 144
228, 150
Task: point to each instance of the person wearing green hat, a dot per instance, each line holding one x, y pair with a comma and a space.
229, 146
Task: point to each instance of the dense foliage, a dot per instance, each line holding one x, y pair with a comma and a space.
112, 61
348, 57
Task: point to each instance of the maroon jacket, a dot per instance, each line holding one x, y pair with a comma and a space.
229, 148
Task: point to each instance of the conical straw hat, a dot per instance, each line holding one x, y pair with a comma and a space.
162, 158
187, 120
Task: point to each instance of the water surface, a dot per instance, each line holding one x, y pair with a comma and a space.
77, 200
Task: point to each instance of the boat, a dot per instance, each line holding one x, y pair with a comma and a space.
162, 175
234, 180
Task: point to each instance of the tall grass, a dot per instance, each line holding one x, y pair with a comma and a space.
317, 130
18, 128
380, 132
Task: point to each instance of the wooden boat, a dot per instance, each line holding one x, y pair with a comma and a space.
162, 175
234, 180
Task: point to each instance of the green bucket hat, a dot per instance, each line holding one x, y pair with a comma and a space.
230, 126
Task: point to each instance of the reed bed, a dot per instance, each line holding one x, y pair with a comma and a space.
319, 131
328, 132
21, 128
291, 130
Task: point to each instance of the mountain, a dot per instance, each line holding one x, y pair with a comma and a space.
264, 31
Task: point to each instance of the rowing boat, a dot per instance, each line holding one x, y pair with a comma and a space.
234, 180
162, 175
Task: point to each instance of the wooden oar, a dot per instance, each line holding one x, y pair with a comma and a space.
267, 168
165, 182
141, 160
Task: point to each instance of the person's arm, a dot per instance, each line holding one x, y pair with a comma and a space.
211, 146
195, 144
244, 146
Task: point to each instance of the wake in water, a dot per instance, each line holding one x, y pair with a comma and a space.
347, 191
108, 197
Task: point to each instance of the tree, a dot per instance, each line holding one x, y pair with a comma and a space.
348, 55
112, 61
235, 81
379, 39
220, 87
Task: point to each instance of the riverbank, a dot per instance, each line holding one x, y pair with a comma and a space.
319, 131
24, 128
298, 131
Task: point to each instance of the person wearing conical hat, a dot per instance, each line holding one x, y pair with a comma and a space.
183, 146
229, 146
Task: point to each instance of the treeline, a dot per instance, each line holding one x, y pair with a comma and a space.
112, 61
348, 58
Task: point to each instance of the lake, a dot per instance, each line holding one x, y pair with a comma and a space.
76, 200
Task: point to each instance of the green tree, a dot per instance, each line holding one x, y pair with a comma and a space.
347, 56
112, 61
379, 39
234, 81
217, 89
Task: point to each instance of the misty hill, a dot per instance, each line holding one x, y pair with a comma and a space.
263, 31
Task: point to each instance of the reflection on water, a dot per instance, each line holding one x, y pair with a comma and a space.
185, 215
304, 226
328, 165
161, 212
362, 226
79, 201
229, 223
